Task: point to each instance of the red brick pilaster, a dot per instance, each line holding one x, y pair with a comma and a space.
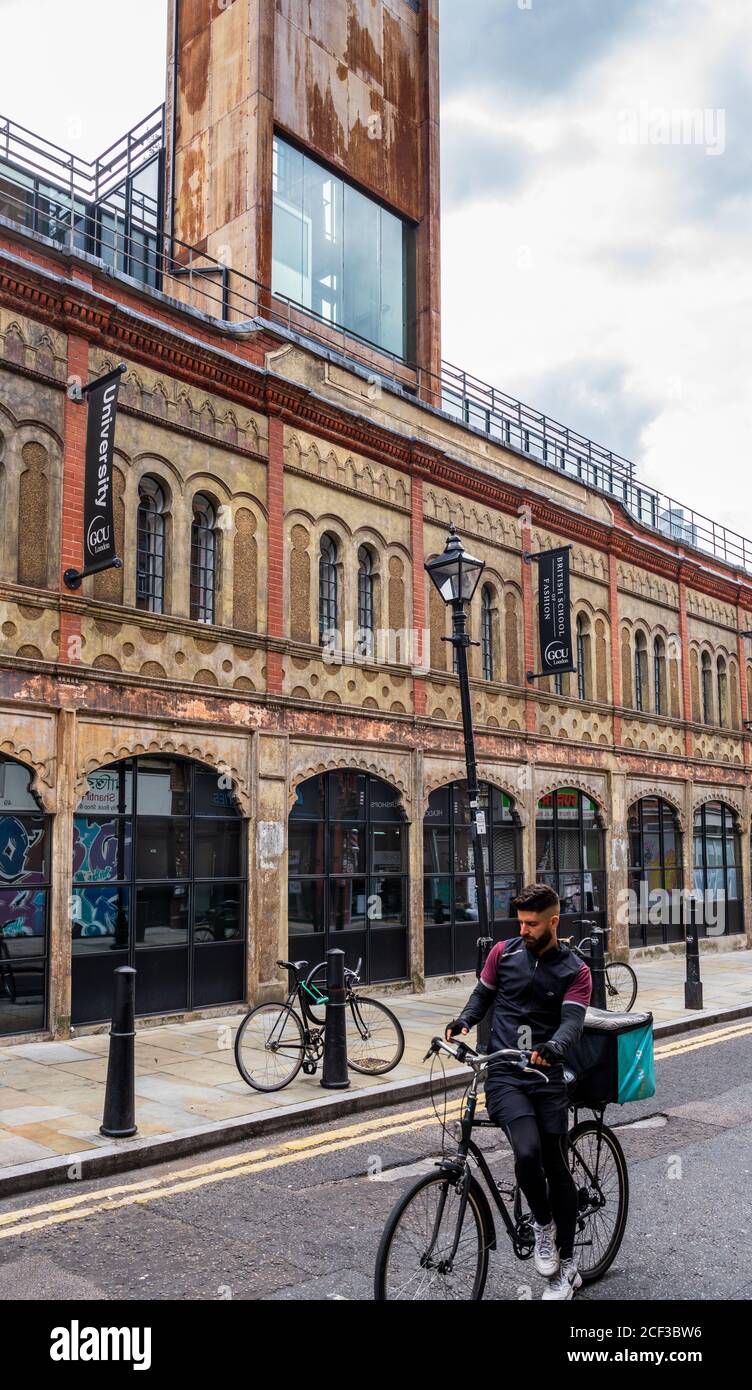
419, 591
275, 550
686, 685
528, 624
741, 655
72, 512
613, 616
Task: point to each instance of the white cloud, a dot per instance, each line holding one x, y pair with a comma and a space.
605, 253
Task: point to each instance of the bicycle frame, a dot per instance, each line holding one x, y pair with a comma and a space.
457, 1165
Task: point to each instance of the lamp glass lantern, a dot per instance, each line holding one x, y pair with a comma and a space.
455, 572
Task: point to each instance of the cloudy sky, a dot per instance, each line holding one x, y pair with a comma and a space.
597, 204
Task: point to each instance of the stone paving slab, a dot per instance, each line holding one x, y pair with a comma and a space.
52, 1093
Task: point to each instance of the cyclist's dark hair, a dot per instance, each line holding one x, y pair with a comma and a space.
536, 897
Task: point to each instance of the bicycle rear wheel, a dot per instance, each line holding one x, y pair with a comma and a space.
269, 1047
412, 1263
375, 1040
621, 987
600, 1175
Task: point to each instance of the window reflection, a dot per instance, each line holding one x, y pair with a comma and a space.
337, 252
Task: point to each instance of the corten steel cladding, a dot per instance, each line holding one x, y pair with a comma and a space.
99, 526
120, 1097
335, 1074
554, 621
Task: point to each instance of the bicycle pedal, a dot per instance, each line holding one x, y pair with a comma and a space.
309, 1068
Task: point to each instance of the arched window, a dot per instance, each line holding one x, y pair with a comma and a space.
570, 854
25, 866
365, 601
158, 883
581, 658
449, 890
203, 560
486, 632
327, 586
707, 689
722, 692
659, 676
717, 870
347, 870
655, 871
150, 543
641, 671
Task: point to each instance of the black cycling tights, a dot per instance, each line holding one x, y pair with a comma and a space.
537, 1158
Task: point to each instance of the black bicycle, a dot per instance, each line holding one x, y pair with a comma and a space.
275, 1040
437, 1240
621, 981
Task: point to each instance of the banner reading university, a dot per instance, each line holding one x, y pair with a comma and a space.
99, 526
553, 611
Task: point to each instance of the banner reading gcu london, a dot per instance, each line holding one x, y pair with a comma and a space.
99, 527
553, 611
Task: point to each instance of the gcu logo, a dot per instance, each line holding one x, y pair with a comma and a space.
97, 535
555, 652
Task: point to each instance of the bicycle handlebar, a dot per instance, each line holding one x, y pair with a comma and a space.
463, 1053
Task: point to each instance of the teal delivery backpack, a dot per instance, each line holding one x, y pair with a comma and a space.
613, 1061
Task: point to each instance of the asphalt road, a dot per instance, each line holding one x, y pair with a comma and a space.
298, 1216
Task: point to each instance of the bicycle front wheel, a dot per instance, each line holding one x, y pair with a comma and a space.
413, 1262
621, 987
375, 1040
599, 1169
269, 1047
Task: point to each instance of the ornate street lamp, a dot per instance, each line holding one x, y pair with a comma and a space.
456, 575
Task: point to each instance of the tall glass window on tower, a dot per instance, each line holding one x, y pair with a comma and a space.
337, 252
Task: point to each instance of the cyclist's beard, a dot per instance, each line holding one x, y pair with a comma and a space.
538, 944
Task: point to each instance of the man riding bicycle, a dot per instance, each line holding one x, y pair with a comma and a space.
539, 991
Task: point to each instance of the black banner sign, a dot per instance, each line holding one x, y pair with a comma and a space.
99, 527
553, 611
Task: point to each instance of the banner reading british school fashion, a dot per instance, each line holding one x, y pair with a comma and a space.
99, 528
553, 611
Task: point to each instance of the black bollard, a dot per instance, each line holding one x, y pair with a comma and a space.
597, 965
120, 1097
335, 1074
692, 983
483, 1031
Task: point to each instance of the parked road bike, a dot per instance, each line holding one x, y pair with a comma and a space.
438, 1238
275, 1040
621, 981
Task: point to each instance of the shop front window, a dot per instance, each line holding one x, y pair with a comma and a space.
25, 853
347, 858
716, 871
655, 873
450, 899
570, 857
159, 883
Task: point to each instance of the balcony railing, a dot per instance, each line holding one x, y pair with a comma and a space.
112, 209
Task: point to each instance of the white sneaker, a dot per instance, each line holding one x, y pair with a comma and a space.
546, 1255
565, 1282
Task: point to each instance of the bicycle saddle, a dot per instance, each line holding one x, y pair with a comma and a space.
296, 965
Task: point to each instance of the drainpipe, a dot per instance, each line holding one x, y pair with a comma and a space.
173, 123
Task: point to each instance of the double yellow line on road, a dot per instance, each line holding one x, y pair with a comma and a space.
690, 1043
75, 1208
43, 1215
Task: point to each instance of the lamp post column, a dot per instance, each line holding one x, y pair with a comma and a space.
478, 828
